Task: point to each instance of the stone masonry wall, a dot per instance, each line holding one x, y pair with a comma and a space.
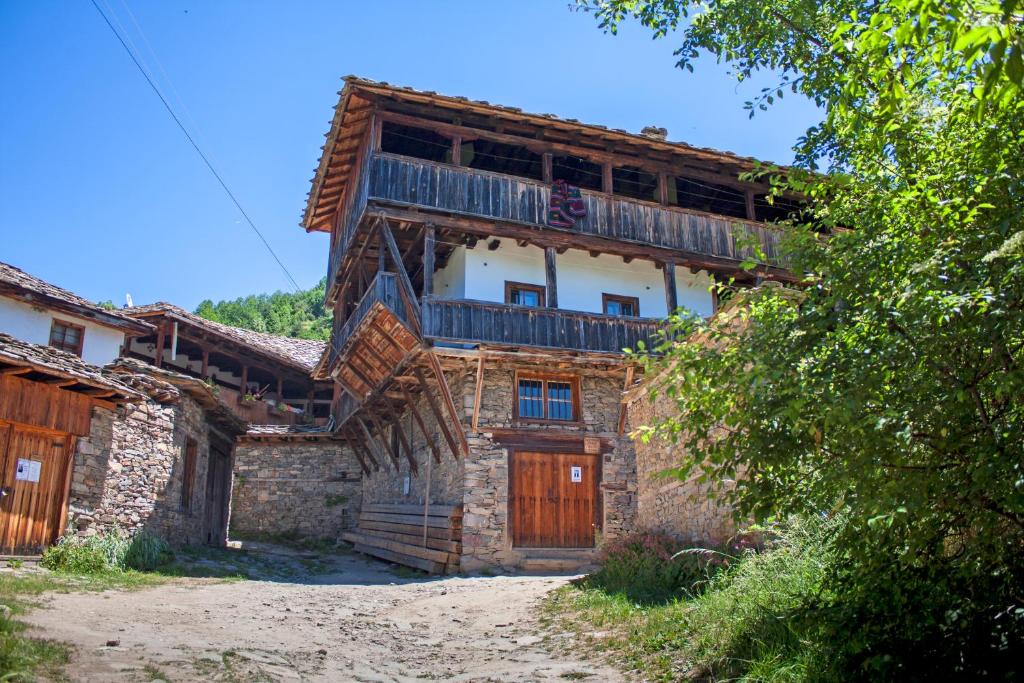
682, 509
128, 473
303, 488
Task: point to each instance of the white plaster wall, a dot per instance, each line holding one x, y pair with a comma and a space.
29, 323
481, 274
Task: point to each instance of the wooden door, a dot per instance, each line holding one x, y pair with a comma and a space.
553, 499
218, 492
35, 467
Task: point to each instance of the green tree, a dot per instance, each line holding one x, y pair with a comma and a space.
300, 314
891, 389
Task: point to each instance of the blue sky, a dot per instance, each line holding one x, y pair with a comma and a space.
101, 193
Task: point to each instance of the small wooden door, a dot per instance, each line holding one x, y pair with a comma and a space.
218, 492
553, 499
35, 466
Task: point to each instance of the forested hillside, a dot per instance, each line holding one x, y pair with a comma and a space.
298, 314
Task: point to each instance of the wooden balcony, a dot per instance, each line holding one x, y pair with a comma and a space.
388, 179
460, 320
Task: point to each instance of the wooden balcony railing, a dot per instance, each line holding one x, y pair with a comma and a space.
383, 290
509, 325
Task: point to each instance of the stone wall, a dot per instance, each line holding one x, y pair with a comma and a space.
128, 473
293, 487
682, 509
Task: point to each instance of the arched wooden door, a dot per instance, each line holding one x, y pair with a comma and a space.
553, 499
36, 472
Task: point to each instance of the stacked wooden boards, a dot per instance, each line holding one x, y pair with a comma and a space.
395, 532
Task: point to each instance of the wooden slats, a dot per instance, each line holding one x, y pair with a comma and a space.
425, 537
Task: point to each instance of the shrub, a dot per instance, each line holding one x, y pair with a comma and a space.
113, 551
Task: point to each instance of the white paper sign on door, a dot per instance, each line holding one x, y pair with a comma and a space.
28, 470
577, 474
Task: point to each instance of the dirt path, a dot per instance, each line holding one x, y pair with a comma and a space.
357, 622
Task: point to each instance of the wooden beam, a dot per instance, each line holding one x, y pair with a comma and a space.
403, 275
358, 454
606, 178
244, 381
61, 382
16, 370
446, 394
378, 425
479, 392
406, 446
622, 403
751, 211
419, 420
546, 173
457, 150
205, 370
428, 261
436, 409
371, 442
363, 445
671, 296
551, 277
159, 355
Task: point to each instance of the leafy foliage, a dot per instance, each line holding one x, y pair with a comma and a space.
889, 389
300, 314
113, 551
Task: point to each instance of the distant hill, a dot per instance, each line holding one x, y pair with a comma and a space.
298, 314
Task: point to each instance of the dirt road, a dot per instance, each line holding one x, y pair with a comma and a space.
356, 622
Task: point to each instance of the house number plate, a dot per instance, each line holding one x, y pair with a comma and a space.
577, 474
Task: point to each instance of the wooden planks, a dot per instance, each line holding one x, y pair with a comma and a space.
547, 508
425, 537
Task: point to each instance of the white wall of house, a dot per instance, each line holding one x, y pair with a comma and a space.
481, 273
29, 323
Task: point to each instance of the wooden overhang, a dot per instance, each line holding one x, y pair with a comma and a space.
19, 285
359, 96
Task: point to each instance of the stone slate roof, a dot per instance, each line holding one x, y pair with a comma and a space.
53, 362
165, 386
299, 353
306, 432
19, 284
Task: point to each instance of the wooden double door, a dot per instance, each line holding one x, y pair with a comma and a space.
35, 473
553, 499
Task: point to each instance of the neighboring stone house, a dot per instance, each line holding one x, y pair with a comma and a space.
487, 269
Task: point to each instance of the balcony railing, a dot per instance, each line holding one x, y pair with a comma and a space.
383, 290
460, 320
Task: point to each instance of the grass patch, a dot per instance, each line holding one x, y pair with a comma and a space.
745, 623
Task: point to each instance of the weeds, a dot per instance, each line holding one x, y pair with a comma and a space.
113, 551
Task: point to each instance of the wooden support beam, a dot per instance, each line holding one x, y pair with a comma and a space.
436, 409
446, 394
551, 277
671, 296
159, 356
546, 174
61, 382
244, 381
357, 453
378, 425
663, 181
366, 446
371, 443
479, 392
428, 261
406, 446
360, 375
280, 389
751, 211
16, 370
606, 178
419, 420
204, 372
622, 403
457, 150
403, 275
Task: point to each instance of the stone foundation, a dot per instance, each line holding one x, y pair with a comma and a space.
310, 489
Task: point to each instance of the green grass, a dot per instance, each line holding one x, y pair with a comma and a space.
748, 624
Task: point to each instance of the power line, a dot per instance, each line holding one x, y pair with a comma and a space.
184, 130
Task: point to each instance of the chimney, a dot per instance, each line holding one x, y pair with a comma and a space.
654, 132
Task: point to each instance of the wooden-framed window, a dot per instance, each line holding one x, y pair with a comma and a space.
188, 475
67, 336
547, 398
523, 294
616, 304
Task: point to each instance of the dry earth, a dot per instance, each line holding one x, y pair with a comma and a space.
352, 619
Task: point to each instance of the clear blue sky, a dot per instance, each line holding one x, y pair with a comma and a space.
101, 193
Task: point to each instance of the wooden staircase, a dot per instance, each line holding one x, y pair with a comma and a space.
395, 532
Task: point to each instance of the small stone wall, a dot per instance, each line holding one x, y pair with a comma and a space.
309, 489
682, 509
128, 473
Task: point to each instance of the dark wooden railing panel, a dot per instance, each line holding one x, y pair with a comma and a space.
494, 323
490, 195
353, 214
384, 290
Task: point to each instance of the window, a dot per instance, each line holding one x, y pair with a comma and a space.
188, 475
634, 182
778, 209
541, 398
501, 158
691, 193
616, 304
578, 172
415, 142
522, 294
67, 336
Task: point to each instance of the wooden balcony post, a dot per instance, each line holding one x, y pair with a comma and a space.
280, 389
457, 150
546, 168
551, 277
671, 296
751, 212
428, 261
205, 371
663, 181
244, 381
159, 359
606, 178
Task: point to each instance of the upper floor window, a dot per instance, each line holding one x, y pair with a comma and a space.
522, 294
67, 336
498, 157
628, 181
415, 142
616, 304
779, 209
702, 195
541, 397
577, 171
